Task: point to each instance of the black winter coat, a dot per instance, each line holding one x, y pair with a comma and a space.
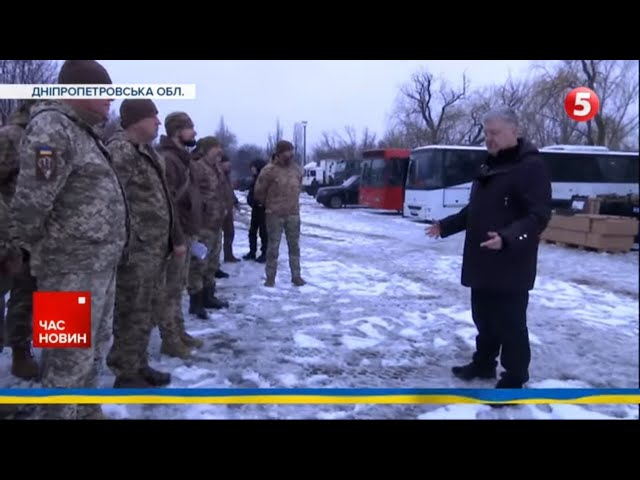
511, 196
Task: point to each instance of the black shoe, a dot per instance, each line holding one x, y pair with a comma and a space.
473, 370
221, 274
262, 258
210, 300
131, 382
196, 305
155, 377
507, 382
250, 256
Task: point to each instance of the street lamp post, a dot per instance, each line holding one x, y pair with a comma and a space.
304, 142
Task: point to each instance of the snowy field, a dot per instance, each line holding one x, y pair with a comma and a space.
384, 308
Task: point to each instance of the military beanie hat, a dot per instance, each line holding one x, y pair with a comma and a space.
83, 72
134, 110
284, 146
205, 144
177, 121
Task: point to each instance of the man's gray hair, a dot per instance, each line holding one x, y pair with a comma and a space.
503, 113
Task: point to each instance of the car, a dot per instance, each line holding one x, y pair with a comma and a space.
339, 196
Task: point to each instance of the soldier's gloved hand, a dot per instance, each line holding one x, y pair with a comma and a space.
180, 250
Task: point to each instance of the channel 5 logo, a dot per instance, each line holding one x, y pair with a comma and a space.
582, 104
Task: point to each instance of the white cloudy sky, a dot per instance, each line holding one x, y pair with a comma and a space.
328, 94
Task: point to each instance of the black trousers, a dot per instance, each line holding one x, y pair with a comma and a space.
258, 224
501, 320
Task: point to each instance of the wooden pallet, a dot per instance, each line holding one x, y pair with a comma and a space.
584, 247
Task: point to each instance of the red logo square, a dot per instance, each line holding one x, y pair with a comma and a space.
62, 319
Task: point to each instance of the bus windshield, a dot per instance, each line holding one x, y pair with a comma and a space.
373, 172
426, 170
378, 172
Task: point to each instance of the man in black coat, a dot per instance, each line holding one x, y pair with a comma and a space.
509, 207
258, 219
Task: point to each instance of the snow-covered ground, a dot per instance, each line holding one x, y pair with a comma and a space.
384, 308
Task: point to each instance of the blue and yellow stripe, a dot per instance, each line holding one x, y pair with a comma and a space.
317, 396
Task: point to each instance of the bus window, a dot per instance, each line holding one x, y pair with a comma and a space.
398, 166
426, 171
618, 168
572, 168
462, 166
378, 167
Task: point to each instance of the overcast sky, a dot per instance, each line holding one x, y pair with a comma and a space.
328, 94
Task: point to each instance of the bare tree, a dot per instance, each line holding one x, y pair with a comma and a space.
426, 108
616, 84
344, 146
227, 139
274, 138
24, 72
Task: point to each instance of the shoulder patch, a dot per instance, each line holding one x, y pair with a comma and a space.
46, 163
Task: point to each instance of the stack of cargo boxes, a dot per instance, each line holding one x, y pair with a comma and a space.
601, 232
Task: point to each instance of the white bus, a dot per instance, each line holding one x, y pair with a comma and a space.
439, 177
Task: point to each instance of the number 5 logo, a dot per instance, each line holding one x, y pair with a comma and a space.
581, 104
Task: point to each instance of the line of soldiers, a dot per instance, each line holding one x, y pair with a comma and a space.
119, 220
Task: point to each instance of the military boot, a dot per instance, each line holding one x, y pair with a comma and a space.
221, 274
298, 281
131, 381
175, 349
191, 341
196, 306
250, 256
210, 299
155, 377
23, 364
262, 258
270, 282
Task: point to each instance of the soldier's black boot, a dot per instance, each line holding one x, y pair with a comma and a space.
155, 377
473, 370
196, 305
250, 256
221, 274
262, 258
23, 364
210, 299
127, 381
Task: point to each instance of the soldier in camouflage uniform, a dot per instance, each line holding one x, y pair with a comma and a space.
70, 212
22, 286
10, 266
183, 187
201, 285
140, 281
278, 188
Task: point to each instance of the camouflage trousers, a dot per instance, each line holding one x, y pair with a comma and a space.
171, 321
140, 294
16, 328
275, 226
202, 272
79, 367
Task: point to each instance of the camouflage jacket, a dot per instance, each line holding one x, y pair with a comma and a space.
278, 188
7, 247
70, 209
10, 136
215, 196
183, 181
150, 205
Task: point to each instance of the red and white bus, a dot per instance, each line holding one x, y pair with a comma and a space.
383, 177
